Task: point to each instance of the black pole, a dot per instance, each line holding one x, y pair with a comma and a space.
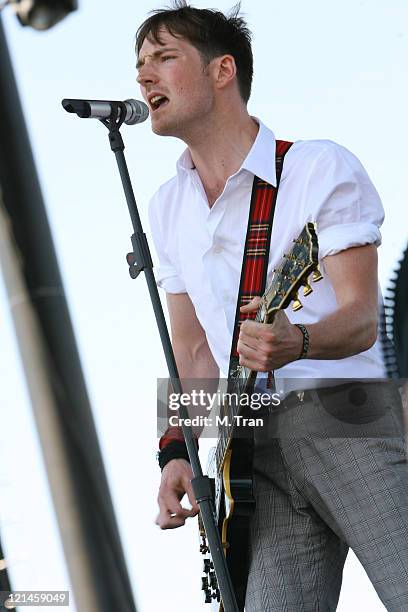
140, 260
5, 586
32, 265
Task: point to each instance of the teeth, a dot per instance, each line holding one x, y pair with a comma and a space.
155, 99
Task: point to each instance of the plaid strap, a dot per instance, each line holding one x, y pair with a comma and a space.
257, 244
253, 273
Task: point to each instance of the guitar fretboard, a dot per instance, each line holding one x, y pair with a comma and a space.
286, 281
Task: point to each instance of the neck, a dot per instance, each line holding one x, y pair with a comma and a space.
219, 147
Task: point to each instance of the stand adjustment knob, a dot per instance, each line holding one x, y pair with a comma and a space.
213, 580
134, 269
204, 548
207, 596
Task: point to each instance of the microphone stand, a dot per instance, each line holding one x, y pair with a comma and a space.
140, 261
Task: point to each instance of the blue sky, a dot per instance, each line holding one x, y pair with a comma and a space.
334, 70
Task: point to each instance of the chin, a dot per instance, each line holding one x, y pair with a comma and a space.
160, 130
163, 129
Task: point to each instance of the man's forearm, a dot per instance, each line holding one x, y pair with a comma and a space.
198, 372
349, 330
196, 363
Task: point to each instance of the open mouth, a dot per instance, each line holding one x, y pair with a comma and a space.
158, 101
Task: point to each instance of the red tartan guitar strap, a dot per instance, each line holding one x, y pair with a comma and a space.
256, 252
253, 273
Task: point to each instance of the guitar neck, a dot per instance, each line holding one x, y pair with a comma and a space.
287, 279
240, 383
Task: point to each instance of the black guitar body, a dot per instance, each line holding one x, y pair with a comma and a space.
235, 504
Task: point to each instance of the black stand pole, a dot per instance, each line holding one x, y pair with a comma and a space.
52, 367
5, 587
140, 260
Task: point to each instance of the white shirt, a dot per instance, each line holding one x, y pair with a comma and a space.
200, 248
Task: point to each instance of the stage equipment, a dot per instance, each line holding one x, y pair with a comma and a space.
135, 111
140, 261
52, 366
41, 14
394, 329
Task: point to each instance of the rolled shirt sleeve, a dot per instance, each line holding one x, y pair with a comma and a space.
168, 275
345, 204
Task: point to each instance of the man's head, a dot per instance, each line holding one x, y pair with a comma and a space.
189, 56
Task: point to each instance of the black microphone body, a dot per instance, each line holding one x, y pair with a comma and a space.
136, 111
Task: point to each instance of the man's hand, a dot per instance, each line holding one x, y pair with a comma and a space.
175, 483
265, 347
350, 329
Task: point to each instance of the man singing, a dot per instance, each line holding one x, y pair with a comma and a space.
316, 496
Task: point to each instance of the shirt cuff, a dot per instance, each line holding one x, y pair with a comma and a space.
337, 238
169, 281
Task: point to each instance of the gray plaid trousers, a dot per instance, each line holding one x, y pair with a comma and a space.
323, 485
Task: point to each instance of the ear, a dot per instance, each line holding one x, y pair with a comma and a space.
225, 71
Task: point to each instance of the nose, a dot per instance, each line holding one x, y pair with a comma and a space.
146, 74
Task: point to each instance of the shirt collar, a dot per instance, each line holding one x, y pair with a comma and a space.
260, 160
185, 162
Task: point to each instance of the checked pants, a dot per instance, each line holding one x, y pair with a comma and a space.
326, 481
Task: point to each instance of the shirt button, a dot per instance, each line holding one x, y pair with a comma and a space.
217, 248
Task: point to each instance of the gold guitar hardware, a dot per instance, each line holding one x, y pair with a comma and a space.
307, 290
297, 304
317, 275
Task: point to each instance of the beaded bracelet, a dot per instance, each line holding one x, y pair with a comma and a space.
306, 341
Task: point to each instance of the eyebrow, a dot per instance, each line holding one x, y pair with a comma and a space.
155, 54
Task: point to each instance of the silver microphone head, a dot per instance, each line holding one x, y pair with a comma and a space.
137, 112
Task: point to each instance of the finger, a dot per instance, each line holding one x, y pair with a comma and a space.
191, 498
169, 500
165, 520
168, 519
251, 332
169, 503
255, 353
189, 512
252, 306
280, 318
255, 364
247, 346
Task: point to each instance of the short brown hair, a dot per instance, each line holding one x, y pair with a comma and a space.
211, 32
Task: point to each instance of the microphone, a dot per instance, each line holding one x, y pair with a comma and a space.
136, 111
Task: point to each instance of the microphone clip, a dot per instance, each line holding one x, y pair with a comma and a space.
140, 257
114, 123
117, 116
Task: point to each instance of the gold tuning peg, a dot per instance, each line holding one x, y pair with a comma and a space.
307, 290
297, 304
317, 275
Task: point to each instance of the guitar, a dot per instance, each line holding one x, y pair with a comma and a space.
230, 468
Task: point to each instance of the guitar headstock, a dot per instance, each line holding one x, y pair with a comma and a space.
293, 273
